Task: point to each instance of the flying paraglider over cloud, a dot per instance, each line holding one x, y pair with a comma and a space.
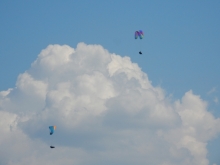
139, 34
52, 129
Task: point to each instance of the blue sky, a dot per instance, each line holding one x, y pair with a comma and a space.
180, 47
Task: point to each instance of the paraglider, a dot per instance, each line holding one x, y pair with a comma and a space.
52, 129
139, 34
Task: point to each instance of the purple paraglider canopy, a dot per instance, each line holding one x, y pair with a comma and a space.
139, 34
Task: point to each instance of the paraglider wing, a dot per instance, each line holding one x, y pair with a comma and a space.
139, 34
52, 147
52, 128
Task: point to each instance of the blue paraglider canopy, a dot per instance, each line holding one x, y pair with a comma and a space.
52, 128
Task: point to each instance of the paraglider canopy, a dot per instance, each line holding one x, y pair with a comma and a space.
52, 147
139, 34
52, 128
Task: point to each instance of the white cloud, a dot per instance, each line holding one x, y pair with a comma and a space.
106, 112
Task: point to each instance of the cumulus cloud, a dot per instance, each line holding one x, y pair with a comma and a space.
106, 111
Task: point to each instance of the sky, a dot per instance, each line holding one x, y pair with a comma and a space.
75, 64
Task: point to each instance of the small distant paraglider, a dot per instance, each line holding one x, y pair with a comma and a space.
52, 129
139, 34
